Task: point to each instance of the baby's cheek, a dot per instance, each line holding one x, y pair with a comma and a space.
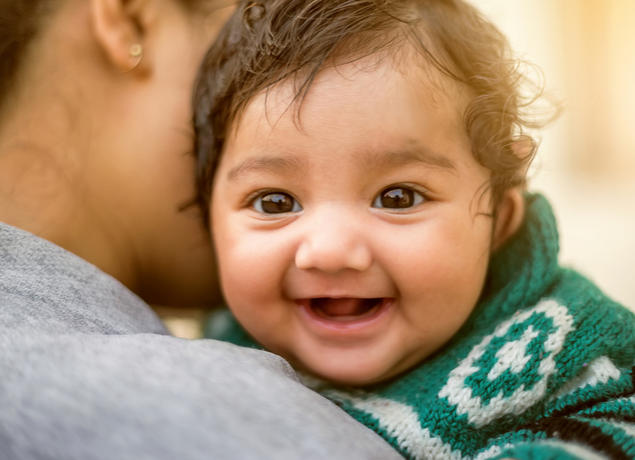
244, 280
251, 286
251, 269
421, 263
441, 274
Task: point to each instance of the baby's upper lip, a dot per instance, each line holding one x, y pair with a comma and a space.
314, 287
338, 295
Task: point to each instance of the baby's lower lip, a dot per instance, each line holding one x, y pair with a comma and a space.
342, 315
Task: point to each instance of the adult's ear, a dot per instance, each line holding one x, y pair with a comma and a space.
510, 213
120, 27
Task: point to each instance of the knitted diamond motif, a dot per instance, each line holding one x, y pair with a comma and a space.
515, 361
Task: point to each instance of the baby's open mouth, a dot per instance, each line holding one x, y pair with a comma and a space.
345, 308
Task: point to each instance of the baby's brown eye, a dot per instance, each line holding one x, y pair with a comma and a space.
276, 203
397, 198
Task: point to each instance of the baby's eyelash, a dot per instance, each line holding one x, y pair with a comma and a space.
248, 200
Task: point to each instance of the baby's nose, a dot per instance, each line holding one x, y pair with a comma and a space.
333, 242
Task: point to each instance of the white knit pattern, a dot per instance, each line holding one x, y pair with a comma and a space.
628, 428
512, 356
402, 423
598, 371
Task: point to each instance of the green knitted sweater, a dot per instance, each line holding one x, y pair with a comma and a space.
542, 369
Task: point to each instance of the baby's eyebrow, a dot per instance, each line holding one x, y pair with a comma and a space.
276, 164
288, 164
405, 156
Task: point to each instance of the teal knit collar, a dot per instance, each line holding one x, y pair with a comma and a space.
521, 271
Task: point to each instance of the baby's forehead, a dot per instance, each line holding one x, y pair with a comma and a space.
362, 110
344, 81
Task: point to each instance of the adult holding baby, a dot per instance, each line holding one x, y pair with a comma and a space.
96, 188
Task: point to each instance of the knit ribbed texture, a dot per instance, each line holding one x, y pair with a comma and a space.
543, 368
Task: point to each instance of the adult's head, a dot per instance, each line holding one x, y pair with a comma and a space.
95, 137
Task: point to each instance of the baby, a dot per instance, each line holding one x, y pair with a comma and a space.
363, 163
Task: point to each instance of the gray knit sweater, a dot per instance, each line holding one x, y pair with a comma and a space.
87, 371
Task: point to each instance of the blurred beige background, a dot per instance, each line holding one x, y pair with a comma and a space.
586, 161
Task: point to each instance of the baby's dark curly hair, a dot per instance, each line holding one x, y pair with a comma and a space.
268, 42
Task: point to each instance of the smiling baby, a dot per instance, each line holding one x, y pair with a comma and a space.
364, 163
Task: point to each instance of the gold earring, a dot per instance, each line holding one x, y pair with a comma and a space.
135, 52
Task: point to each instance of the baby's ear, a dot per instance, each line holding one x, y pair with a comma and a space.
509, 216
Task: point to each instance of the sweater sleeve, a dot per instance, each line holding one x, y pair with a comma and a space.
589, 412
589, 409
602, 427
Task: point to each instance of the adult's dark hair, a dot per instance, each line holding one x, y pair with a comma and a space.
267, 42
20, 21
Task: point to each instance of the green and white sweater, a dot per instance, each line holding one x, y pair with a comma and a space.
542, 369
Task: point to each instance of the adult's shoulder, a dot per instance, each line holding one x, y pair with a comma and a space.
89, 372
98, 396
49, 290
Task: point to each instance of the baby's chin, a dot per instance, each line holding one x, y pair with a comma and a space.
349, 374
355, 362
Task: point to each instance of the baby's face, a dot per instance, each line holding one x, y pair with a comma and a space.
352, 244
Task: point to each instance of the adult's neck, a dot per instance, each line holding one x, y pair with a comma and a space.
47, 142
42, 191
